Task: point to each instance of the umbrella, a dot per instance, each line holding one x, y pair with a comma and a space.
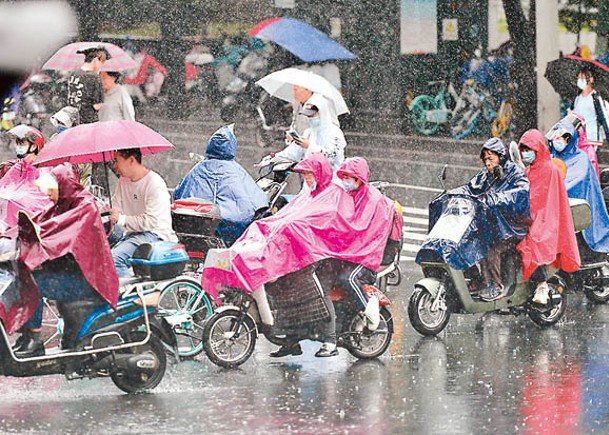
96, 142
67, 58
562, 75
301, 39
281, 83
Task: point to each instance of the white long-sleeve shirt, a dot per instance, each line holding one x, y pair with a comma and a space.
144, 205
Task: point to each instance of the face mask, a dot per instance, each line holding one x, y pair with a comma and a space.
314, 122
349, 185
313, 186
61, 128
528, 157
21, 150
582, 83
559, 145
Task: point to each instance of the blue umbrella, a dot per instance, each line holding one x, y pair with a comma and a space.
301, 39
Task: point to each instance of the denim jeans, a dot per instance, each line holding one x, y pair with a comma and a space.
59, 287
124, 249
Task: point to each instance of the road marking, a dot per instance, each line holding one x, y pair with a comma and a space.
414, 232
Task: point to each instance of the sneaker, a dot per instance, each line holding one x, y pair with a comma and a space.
493, 292
326, 350
542, 295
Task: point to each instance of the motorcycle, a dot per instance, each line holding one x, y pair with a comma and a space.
292, 306
124, 344
445, 290
41, 99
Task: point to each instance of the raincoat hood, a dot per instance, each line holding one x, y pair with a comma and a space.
321, 168
495, 145
325, 108
355, 167
583, 183
222, 145
536, 141
551, 237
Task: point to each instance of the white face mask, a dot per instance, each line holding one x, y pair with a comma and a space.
582, 84
21, 150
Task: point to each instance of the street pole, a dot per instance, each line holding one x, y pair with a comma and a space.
548, 101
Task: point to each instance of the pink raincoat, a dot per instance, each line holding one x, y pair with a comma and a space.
314, 226
17, 192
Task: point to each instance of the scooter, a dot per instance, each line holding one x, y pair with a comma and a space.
124, 344
292, 306
446, 290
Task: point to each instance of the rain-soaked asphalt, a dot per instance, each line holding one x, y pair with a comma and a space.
483, 374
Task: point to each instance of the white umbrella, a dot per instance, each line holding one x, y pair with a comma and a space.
281, 83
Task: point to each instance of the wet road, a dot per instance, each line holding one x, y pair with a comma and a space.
483, 374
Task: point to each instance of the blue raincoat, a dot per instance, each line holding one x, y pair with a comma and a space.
489, 209
222, 181
582, 182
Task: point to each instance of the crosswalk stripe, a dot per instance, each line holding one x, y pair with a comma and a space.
416, 221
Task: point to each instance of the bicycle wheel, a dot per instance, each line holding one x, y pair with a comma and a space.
419, 108
503, 120
186, 307
464, 121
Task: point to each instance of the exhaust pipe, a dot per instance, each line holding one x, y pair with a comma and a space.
143, 362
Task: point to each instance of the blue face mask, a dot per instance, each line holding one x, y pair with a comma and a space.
559, 145
528, 157
349, 185
314, 122
313, 186
61, 128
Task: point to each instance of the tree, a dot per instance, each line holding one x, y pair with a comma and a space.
522, 34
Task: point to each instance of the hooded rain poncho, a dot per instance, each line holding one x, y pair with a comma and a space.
551, 237
582, 183
222, 181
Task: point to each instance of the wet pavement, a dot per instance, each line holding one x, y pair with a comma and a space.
483, 374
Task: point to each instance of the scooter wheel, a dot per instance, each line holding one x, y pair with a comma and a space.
598, 294
229, 338
425, 320
138, 382
554, 313
370, 344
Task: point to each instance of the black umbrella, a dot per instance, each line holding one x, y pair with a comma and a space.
562, 75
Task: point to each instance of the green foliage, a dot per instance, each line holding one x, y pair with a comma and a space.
579, 15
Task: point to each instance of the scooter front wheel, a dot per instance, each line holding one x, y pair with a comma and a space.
366, 344
424, 317
553, 314
229, 338
598, 294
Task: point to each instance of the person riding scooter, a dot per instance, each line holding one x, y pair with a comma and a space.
504, 188
551, 237
70, 242
319, 224
581, 182
373, 209
29, 141
222, 181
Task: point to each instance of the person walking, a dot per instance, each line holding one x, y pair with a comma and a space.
117, 101
85, 91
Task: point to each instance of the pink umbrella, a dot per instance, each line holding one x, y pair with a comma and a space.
67, 57
97, 142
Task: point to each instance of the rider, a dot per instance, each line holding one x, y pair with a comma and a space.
551, 237
581, 182
372, 210
28, 143
69, 242
222, 181
504, 188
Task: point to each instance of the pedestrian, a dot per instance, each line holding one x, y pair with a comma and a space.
85, 91
592, 107
117, 101
149, 75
